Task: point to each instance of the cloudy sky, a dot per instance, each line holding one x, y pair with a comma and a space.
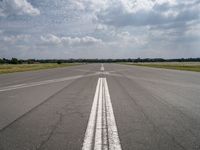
99, 28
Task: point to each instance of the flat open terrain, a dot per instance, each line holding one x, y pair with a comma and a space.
100, 106
187, 66
9, 68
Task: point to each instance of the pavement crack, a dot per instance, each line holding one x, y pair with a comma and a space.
40, 104
51, 133
155, 127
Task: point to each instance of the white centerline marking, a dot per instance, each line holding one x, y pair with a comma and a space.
98, 132
114, 142
104, 125
101, 132
102, 67
87, 145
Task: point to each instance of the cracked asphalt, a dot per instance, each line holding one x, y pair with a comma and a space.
155, 109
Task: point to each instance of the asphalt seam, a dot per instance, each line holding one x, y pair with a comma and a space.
43, 102
156, 127
170, 106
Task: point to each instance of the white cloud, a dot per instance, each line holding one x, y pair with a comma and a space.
96, 5
116, 28
51, 39
13, 39
170, 13
145, 5
193, 30
1, 32
128, 5
56, 40
101, 27
151, 12
17, 7
127, 39
77, 4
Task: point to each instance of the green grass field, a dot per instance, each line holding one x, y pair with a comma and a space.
9, 68
186, 66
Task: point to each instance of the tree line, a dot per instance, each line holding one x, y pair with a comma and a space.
60, 61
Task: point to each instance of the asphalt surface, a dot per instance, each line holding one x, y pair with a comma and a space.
154, 109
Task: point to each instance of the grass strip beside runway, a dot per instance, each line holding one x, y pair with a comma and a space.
186, 66
10, 68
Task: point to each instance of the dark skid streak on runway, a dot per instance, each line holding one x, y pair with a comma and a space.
154, 109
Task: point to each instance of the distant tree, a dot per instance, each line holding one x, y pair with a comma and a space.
31, 61
20, 61
14, 61
5, 61
1, 61
59, 61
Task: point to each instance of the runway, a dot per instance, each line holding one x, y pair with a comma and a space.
100, 106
